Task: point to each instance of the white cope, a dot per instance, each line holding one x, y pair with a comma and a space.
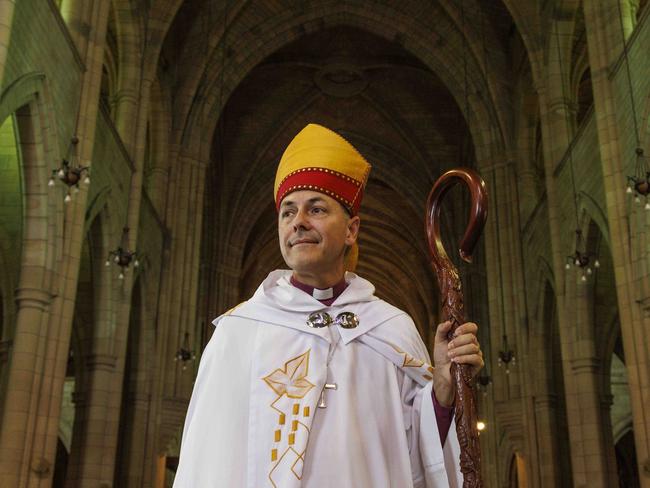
253, 419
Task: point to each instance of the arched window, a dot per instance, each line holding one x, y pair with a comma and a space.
11, 221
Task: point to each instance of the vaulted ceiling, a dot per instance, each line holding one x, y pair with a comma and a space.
389, 105
418, 89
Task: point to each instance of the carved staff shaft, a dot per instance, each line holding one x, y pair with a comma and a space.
452, 306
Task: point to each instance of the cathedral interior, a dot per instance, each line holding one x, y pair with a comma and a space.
138, 146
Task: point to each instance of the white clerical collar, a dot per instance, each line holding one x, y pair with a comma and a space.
323, 294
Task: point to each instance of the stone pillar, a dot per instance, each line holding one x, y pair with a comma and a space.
557, 131
86, 457
159, 133
605, 46
21, 455
606, 401
28, 436
77, 16
133, 471
178, 297
126, 113
32, 304
104, 390
79, 401
507, 309
180, 284
546, 434
6, 18
591, 454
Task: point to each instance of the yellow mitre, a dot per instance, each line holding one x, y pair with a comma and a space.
321, 160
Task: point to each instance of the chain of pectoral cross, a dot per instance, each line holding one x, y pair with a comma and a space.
328, 386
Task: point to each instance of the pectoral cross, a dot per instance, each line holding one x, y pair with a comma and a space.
328, 386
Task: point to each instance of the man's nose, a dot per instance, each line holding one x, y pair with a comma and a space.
300, 221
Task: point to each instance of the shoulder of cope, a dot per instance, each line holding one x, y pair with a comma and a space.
233, 309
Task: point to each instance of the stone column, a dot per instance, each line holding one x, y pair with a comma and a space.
557, 131
127, 104
134, 469
136, 455
188, 226
591, 454
159, 133
579, 376
33, 304
605, 44
77, 15
606, 401
105, 388
178, 299
6, 18
20, 453
507, 309
86, 455
546, 434
34, 391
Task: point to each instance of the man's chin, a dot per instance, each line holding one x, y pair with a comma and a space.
300, 266
303, 264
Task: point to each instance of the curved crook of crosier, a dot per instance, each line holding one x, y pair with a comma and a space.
477, 216
452, 306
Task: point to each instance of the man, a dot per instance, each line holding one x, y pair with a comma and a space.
314, 382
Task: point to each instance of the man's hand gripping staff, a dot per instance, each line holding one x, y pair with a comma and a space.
457, 356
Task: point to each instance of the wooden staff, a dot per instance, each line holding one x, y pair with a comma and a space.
452, 306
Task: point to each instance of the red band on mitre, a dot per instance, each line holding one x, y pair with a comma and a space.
342, 188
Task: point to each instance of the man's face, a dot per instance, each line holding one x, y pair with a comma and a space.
314, 230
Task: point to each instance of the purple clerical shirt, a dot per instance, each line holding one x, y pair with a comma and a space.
444, 415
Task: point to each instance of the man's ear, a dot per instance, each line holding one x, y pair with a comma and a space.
352, 230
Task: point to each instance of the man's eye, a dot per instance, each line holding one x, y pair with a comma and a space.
318, 210
286, 214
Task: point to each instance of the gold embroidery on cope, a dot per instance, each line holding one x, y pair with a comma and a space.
290, 381
410, 362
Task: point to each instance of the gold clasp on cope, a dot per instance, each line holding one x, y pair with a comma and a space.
317, 320
347, 320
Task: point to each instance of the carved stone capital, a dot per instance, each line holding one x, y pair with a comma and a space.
560, 106
101, 362
584, 365
545, 402
126, 94
33, 298
139, 399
